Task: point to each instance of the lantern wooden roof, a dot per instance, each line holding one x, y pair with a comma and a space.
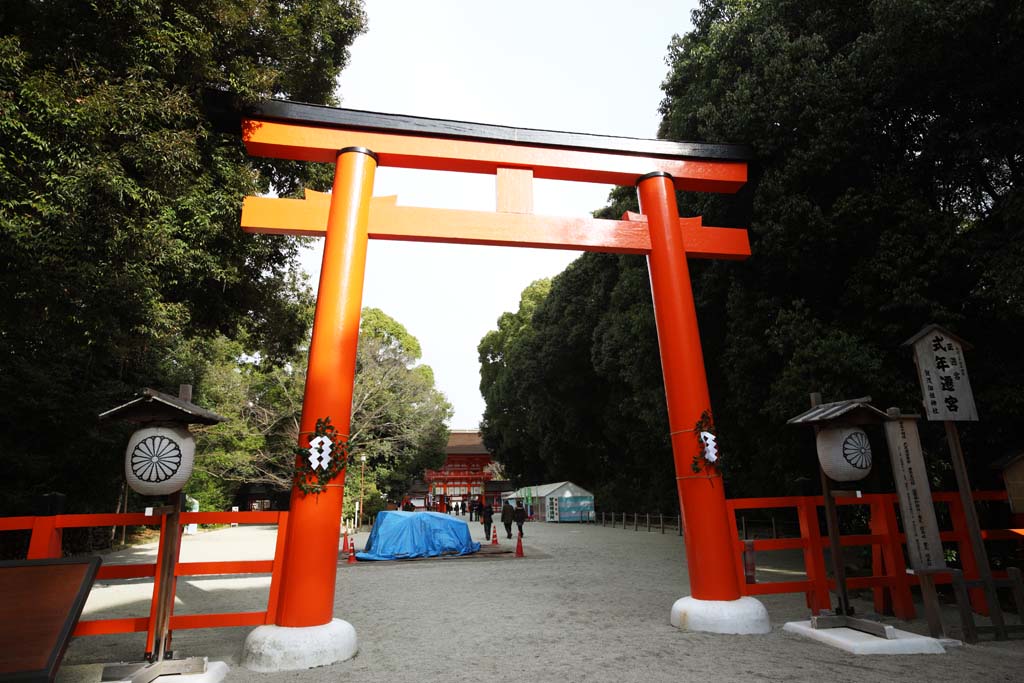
156, 406
854, 411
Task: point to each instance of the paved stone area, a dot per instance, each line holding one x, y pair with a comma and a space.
587, 603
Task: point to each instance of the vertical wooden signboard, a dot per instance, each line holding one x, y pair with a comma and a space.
908, 469
939, 357
947, 397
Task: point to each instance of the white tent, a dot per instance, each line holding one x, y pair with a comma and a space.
562, 501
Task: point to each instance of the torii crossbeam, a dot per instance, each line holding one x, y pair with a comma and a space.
357, 143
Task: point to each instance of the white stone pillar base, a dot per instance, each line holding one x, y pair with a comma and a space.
282, 648
746, 615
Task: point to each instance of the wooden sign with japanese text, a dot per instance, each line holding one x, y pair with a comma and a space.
939, 357
924, 546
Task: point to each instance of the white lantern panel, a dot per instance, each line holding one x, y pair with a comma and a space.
844, 453
158, 460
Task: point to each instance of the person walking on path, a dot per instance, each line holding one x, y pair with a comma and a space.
519, 515
506, 518
486, 518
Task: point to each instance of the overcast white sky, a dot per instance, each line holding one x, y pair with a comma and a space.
592, 66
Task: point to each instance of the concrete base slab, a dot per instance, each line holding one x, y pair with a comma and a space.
859, 643
745, 615
282, 648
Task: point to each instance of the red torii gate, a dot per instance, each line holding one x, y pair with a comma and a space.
357, 142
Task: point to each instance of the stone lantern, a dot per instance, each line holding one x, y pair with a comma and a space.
160, 454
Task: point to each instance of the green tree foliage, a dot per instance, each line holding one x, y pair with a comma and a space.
119, 241
573, 386
885, 193
889, 153
506, 358
398, 418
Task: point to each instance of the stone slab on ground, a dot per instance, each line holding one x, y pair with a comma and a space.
859, 643
215, 673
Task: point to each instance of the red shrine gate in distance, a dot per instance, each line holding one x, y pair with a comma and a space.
463, 477
356, 143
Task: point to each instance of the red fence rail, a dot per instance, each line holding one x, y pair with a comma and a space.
46, 543
890, 583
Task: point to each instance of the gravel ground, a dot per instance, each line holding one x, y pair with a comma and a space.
587, 603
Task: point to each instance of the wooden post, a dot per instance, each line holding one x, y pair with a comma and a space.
832, 521
881, 595
835, 545
896, 566
963, 603
47, 540
814, 560
749, 563
963, 485
1017, 587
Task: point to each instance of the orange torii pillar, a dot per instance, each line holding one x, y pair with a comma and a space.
300, 628
306, 595
715, 603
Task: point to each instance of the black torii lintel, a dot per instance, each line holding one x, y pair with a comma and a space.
227, 114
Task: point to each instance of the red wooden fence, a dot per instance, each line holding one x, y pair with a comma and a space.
889, 581
890, 584
46, 543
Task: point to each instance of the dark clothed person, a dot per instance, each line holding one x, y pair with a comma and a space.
506, 518
486, 518
519, 515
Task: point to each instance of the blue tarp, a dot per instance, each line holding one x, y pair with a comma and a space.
400, 535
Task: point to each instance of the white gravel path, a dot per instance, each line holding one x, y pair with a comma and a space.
587, 603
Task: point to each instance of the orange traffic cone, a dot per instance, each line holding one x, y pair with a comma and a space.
351, 554
519, 546
494, 535
345, 546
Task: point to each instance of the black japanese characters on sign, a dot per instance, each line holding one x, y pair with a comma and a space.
941, 369
924, 546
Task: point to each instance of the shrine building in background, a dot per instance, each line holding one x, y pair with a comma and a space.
469, 473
